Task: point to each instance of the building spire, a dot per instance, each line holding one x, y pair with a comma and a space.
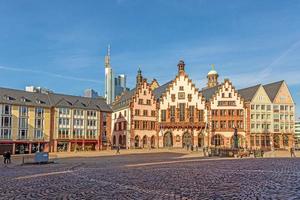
107, 57
212, 66
108, 50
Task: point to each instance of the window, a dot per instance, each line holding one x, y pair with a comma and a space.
231, 124
22, 134
214, 113
140, 101
153, 113
201, 115
23, 111
173, 97
152, 125
172, 113
5, 133
125, 113
145, 123
137, 112
263, 107
257, 107
268, 107
181, 88
223, 95
252, 107
38, 134
148, 102
39, 112
136, 124
229, 95
191, 113
182, 111
145, 112
163, 115
189, 97
223, 124
145, 92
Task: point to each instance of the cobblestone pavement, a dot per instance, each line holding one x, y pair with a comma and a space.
153, 176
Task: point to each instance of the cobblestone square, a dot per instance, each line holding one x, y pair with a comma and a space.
153, 176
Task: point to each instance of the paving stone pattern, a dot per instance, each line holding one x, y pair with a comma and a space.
111, 178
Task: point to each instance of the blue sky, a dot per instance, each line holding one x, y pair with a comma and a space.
61, 44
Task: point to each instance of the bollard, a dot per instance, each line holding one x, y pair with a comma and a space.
23, 160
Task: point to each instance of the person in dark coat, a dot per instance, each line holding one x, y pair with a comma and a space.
8, 156
118, 149
5, 157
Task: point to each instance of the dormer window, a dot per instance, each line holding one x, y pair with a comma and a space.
40, 101
25, 99
8, 98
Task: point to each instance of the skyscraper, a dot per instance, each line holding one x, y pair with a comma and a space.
120, 84
109, 79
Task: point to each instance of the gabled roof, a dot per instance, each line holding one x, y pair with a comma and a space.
20, 97
124, 99
209, 92
272, 89
158, 92
249, 92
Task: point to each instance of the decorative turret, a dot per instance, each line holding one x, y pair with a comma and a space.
139, 77
181, 66
212, 77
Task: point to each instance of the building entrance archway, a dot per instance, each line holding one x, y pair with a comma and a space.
145, 141
136, 142
153, 141
168, 139
186, 140
200, 140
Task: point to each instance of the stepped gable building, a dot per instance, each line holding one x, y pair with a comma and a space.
181, 112
225, 112
32, 121
135, 117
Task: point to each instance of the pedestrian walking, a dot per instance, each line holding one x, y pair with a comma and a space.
292, 150
8, 156
118, 149
5, 157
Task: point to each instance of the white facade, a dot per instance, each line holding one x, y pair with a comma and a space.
109, 80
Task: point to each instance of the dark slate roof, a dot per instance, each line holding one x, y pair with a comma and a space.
248, 93
209, 92
158, 92
21, 97
124, 100
272, 89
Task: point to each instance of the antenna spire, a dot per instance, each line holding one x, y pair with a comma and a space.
108, 50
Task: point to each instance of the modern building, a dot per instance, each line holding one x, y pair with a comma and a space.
120, 85
35, 121
90, 93
109, 79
